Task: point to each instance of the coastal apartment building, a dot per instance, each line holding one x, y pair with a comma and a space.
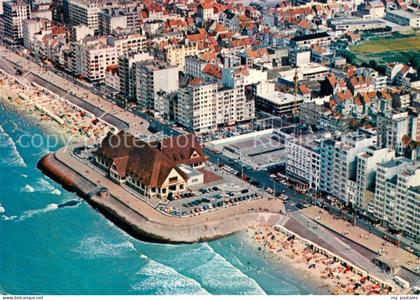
232, 104
127, 72
15, 13
33, 28
93, 55
176, 54
366, 167
151, 78
303, 163
392, 126
82, 12
203, 106
126, 43
338, 163
397, 196
125, 17
197, 107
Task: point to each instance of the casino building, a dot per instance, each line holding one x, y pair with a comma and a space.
160, 169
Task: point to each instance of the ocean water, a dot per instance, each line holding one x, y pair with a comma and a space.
48, 249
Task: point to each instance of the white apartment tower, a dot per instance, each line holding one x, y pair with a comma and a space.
338, 163
95, 55
81, 12
304, 159
15, 13
151, 78
203, 107
391, 127
397, 196
127, 72
366, 165
197, 107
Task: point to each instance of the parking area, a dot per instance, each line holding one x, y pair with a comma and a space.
225, 190
228, 190
257, 150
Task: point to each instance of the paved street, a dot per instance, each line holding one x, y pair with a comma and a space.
135, 127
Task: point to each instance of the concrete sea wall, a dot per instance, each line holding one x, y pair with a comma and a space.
161, 228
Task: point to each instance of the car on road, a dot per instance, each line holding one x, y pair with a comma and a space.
284, 197
301, 205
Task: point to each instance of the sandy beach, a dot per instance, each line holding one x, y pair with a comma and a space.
325, 272
54, 114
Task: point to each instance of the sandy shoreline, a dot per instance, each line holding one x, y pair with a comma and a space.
57, 117
329, 275
285, 264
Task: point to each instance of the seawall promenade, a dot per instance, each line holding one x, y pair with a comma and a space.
144, 221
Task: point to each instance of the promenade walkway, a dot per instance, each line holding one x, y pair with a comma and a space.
140, 215
74, 93
389, 253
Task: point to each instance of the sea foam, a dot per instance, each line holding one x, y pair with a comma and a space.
41, 185
164, 280
229, 277
94, 247
30, 213
12, 157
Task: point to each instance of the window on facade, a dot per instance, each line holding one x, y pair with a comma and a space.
173, 179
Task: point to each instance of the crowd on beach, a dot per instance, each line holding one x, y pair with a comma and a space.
327, 271
52, 111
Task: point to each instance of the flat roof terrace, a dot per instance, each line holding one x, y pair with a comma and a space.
257, 149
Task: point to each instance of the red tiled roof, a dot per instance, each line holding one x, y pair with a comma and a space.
196, 81
213, 70
257, 53
242, 42
151, 163
304, 89
181, 148
305, 24
209, 56
207, 5
58, 30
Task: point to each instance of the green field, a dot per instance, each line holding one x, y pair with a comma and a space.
388, 45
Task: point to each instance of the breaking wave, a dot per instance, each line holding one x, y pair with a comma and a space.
94, 247
2, 209
164, 280
12, 157
30, 213
8, 218
229, 277
41, 185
